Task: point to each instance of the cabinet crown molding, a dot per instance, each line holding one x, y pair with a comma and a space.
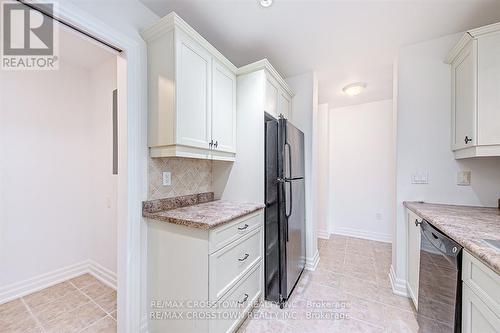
266, 65
172, 21
468, 36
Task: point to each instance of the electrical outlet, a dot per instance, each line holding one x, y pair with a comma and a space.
463, 178
420, 178
167, 180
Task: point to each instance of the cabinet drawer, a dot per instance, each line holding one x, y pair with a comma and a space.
237, 302
229, 264
227, 233
484, 282
476, 316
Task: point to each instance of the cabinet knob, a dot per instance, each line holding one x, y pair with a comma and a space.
417, 222
216, 144
211, 143
467, 140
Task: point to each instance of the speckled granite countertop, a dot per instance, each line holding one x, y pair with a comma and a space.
466, 225
205, 215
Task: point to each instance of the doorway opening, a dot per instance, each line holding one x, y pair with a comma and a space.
60, 190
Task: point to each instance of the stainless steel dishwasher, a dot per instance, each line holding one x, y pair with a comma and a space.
440, 287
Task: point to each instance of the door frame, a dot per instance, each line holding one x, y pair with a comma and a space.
132, 190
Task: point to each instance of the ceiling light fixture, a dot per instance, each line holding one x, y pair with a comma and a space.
354, 89
266, 3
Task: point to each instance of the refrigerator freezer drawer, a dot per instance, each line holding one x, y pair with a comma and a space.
232, 262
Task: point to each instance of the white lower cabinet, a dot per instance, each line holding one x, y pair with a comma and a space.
204, 280
480, 297
238, 301
476, 316
413, 255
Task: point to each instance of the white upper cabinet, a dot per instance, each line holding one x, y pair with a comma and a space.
278, 97
278, 100
193, 73
475, 73
271, 97
192, 94
284, 104
223, 108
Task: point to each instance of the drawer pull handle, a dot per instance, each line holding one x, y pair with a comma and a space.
244, 299
244, 227
244, 258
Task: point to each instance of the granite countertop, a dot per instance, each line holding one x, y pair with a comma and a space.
198, 212
466, 225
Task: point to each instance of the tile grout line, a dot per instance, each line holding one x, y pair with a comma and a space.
32, 314
93, 323
370, 300
93, 301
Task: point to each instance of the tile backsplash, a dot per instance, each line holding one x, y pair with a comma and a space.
189, 176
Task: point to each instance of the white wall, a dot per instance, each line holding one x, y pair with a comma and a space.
56, 171
304, 108
45, 171
361, 162
322, 181
103, 218
423, 140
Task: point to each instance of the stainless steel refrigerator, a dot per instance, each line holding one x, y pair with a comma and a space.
285, 208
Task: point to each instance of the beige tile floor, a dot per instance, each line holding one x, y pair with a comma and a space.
82, 304
349, 292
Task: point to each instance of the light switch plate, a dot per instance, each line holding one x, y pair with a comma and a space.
167, 180
463, 178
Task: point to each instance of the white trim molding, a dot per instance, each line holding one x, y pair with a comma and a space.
172, 21
312, 263
144, 324
398, 285
358, 233
42, 281
132, 103
467, 37
323, 234
266, 65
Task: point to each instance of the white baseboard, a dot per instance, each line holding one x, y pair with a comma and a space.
358, 233
42, 281
323, 234
103, 274
312, 263
398, 285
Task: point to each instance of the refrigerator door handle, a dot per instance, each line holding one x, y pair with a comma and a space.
288, 214
289, 182
289, 160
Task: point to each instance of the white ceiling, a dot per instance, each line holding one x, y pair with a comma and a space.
79, 50
344, 41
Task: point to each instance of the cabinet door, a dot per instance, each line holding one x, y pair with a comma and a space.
464, 98
488, 99
413, 255
223, 108
193, 93
284, 105
271, 98
476, 316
